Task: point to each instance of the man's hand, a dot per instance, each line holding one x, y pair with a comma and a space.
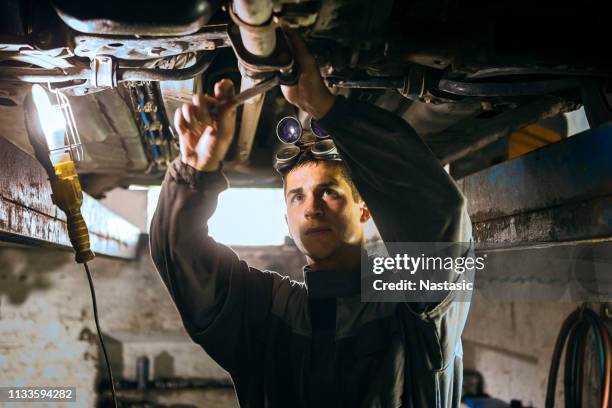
310, 93
203, 137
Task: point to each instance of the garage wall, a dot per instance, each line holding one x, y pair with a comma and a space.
47, 332
511, 345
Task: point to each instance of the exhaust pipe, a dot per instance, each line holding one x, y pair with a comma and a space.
254, 19
257, 32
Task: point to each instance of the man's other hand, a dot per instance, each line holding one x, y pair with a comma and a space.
204, 136
310, 93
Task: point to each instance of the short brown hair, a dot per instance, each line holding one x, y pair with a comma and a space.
307, 158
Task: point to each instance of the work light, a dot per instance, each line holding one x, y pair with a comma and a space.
64, 148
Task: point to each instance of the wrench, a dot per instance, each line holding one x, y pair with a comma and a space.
243, 97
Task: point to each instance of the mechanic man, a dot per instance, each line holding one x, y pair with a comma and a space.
287, 344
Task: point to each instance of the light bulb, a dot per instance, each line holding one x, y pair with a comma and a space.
52, 122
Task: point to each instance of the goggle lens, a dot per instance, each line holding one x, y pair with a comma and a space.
324, 148
289, 130
287, 154
318, 131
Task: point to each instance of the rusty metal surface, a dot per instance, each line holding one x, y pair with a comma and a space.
559, 193
251, 111
128, 47
27, 214
583, 221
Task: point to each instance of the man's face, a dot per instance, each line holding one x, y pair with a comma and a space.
321, 213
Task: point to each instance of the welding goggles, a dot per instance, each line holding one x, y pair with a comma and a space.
289, 131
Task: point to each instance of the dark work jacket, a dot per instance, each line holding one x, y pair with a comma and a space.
314, 344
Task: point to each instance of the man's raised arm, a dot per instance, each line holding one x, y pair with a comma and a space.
207, 280
410, 196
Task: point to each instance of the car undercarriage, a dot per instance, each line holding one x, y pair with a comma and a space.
465, 74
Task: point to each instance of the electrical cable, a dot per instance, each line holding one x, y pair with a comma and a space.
603, 342
569, 379
602, 350
95, 311
600, 346
566, 328
607, 341
575, 330
579, 365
